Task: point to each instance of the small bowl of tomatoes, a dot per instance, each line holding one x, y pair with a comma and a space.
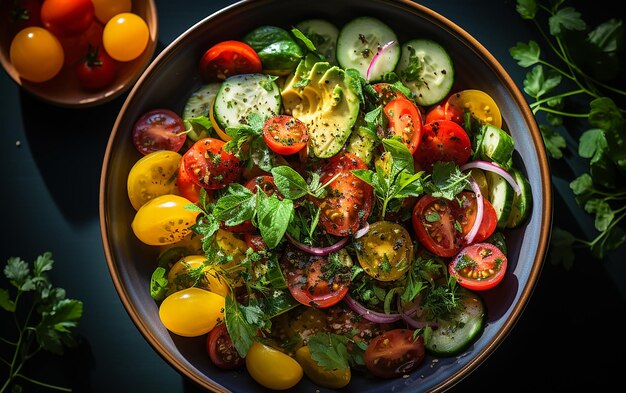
296, 197
77, 53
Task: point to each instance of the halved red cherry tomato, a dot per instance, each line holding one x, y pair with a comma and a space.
285, 134
437, 112
405, 122
394, 353
387, 93
443, 140
221, 349
186, 187
466, 215
441, 224
209, 165
479, 266
310, 281
159, 129
67, 18
348, 202
229, 58
97, 70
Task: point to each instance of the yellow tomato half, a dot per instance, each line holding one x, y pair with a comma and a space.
192, 312
272, 368
479, 103
153, 175
163, 220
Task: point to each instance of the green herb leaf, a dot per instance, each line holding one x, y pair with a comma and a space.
592, 144
566, 19
329, 351
447, 180
241, 324
526, 54
5, 300
289, 182
561, 250
159, 284
555, 143
527, 8
538, 83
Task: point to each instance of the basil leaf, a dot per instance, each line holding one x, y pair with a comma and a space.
289, 182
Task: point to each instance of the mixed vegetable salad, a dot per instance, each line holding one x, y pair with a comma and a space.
327, 202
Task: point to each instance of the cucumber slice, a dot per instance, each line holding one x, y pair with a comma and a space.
496, 145
241, 95
501, 196
427, 69
457, 332
522, 203
362, 143
359, 41
323, 35
197, 107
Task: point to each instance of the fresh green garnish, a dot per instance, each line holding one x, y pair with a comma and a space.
587, 62
43, 318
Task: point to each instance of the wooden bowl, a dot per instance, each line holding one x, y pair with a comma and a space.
173, 76
64, 90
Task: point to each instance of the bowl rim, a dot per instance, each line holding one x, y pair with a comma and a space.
97, 97
511, 88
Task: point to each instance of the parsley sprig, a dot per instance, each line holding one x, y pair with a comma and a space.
585, 61
43, 318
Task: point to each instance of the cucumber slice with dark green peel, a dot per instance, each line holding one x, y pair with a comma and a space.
242, 95
196, 111
501, 195
496, 145
359, 42
522, 202
426, 68
457, 331
323, 35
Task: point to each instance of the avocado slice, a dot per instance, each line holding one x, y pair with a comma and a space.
322, 97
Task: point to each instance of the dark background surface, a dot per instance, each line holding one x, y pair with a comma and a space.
570, 335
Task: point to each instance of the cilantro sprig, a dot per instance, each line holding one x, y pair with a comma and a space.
43, 318
579, 66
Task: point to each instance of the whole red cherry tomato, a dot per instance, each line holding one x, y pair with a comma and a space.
20, 14
67, 17
96, 70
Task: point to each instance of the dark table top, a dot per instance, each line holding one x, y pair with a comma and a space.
569, 335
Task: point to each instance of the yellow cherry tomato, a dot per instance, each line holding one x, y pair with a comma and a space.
194, 270
163, 220
230, 245
153, 175
479, 103
333, 379
385, 252
36, 54
107, 9
192, 312
125, 36
272, 368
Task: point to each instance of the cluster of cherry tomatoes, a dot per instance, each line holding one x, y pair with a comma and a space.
92, 37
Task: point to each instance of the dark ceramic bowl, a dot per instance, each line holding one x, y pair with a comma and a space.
63, 90
173, 76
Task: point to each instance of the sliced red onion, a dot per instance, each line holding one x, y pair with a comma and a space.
469, 238
370, 315
490, 166
318, 250
376, 57
362, 231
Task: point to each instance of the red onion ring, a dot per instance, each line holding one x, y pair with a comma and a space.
376, 56
479, 211
372, 316
362, 231
489, 166
321, 251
